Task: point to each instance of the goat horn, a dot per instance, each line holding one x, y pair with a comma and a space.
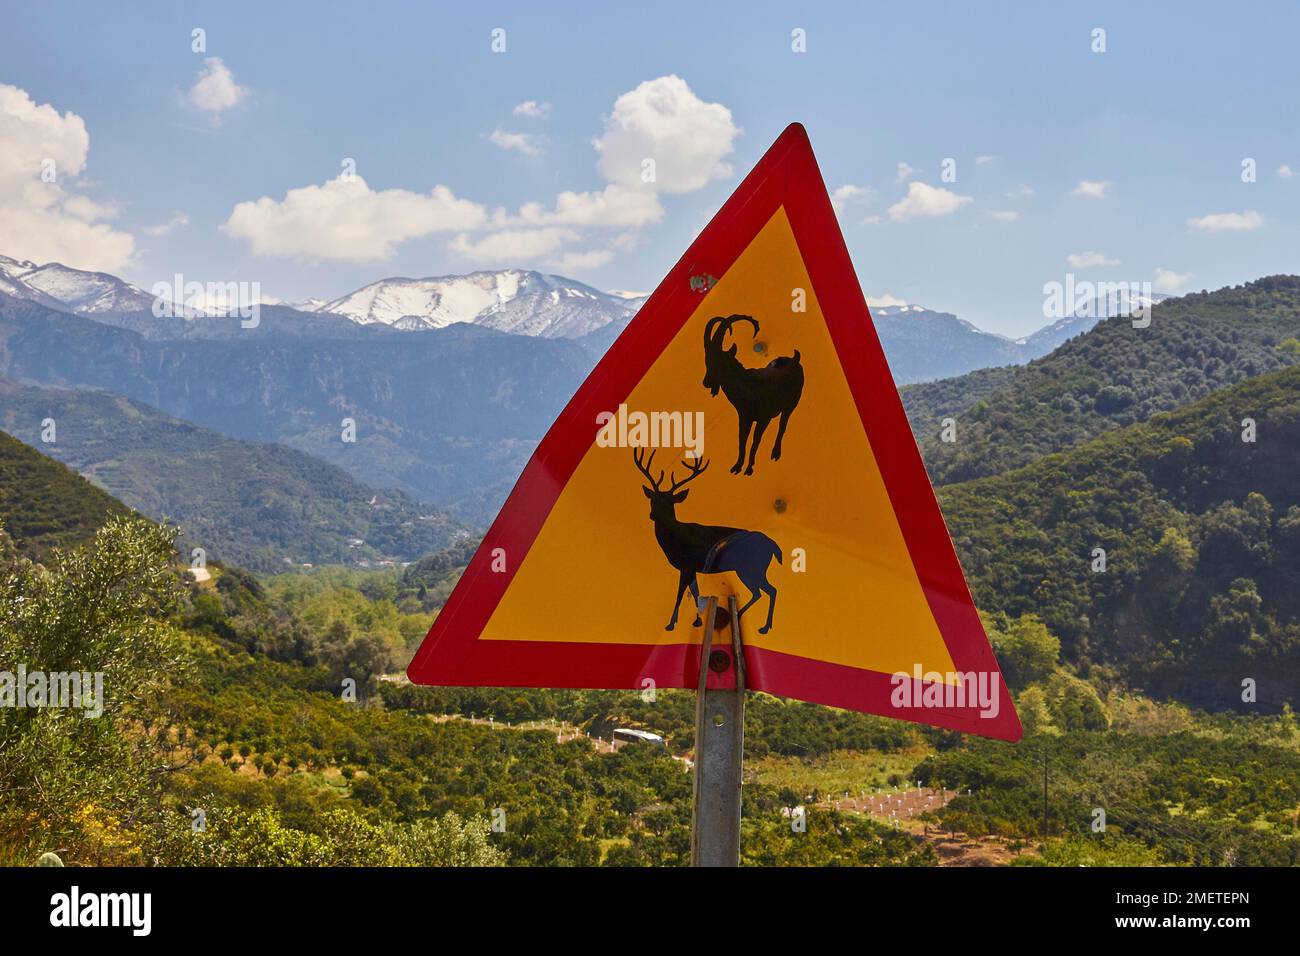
710, 333
731, 320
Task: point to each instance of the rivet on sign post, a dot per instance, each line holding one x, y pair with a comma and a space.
719, 744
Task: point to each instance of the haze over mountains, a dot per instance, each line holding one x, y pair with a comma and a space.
262, 506
239, 433
450, 382
449, 416
1125, 439
921, 344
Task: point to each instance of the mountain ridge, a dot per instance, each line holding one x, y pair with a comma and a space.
46, 505
1200, 534
449, 416
508, 300
262, 506
921, 344
1193, 346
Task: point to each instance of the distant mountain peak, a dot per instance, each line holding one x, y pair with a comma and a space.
76, 290
899, 308
519, 301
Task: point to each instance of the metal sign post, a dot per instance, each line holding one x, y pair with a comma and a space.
719, 745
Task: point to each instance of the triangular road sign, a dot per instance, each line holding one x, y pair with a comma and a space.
836, 551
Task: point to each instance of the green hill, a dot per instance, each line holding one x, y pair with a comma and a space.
1111, 377
929, 403
46, 505
262, 506
1201, 533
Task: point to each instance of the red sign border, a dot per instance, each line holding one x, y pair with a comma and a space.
787, 176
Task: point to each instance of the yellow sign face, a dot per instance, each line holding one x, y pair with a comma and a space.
820, 502
741, 439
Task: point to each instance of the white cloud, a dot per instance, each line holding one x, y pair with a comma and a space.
1020, 192
89, 210
984, 160
614, 206
524, 143
1227, 221
884, 301
1285, 171
903, 171
846, 194
584, 261
216, 91
872, 220
1090, 189
1005, 215
345, 220
546, 245
1089, 260
661, 119
924, 201
46, 221
1169, 281
172, 224
533, 109
512, 246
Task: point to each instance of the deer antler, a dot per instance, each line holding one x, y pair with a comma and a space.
695, 470
643, 465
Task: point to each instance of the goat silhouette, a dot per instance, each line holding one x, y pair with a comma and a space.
706, 549
757, 394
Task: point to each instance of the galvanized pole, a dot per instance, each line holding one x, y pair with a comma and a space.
719, 743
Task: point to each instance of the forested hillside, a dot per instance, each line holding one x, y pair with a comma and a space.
275, 706
45, 505
262, 506
929, 403
1201, 534
240, 693
1113, 376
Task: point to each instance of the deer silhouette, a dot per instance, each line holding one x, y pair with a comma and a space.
757, 394
706, 549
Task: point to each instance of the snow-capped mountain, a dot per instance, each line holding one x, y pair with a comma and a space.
920, 343
11, 283
512, 300
75, 290
1087, 315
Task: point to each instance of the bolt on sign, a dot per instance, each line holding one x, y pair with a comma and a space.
743, 437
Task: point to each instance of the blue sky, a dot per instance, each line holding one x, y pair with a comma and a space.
1160, 124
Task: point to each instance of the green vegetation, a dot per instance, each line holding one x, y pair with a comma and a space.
262, 506
45, 505
429, 581
71, 779
286, 769
1201, 534
929, 403
1187, 797
1113, 376
257, 721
